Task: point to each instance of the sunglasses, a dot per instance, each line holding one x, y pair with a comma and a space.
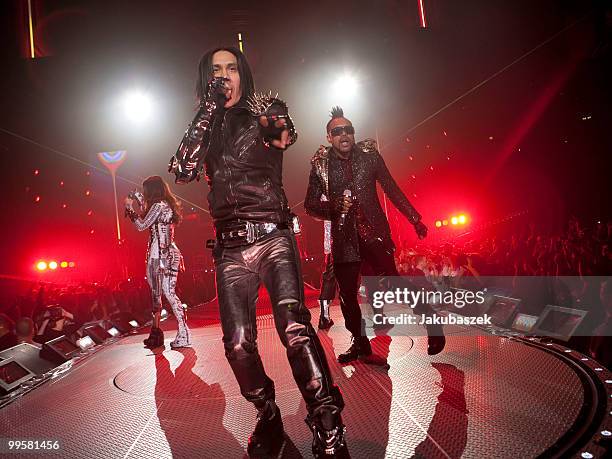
339, 130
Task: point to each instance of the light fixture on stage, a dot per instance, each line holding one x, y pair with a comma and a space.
137, 106
113, 332
41, 265
454, 220
438, 223
64, 264
462, 219
444, 222
96, 332
85, 342
59, 350
53, 265
12, 374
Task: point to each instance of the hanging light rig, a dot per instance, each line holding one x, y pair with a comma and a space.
422, 18
31, 30
240, 44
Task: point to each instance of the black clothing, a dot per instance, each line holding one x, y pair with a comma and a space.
8, 340
239, 271
328, 280
366, 168
244, 175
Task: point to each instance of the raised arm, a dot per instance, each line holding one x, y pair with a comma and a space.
187, 163
152, 215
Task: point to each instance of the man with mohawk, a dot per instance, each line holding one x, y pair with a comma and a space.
346, 174
240, 138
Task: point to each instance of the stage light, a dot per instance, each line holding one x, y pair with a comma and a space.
113, 331
53, 265
41, 265
71, 264
85, 342
454, 220
438, 223
462, 219
137, 106
37, 199
64, 264
444, 222
345, 87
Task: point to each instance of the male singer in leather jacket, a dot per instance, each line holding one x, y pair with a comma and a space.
360, 230
240, 138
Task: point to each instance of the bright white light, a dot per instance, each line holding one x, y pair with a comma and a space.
138, 106
345, 87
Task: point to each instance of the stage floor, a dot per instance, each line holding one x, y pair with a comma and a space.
484, 396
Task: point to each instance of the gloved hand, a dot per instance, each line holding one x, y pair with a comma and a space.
216, 91
420, 229
342, 204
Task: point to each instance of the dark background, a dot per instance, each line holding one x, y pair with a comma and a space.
534, 138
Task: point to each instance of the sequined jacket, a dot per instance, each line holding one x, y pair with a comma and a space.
368, 167
243, 170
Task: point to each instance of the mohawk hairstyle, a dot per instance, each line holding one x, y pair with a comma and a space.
336, 112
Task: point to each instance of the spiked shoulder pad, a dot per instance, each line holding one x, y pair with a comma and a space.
368, 146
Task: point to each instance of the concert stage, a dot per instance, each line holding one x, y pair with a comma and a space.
484, 396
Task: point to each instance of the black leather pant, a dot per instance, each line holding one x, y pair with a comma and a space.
328, 280
380, 261
239, 273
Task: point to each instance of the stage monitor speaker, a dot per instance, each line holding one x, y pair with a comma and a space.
502, 310
28, 355
97, 333
12, 374
558, 322
524, 322
59, 350
124, 322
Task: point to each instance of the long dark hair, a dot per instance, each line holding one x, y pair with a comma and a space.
156, 190
205, 72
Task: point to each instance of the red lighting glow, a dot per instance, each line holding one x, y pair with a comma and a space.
438, 223
64, 264
71, 264
53, 265
37, 199
454, 220
41, 265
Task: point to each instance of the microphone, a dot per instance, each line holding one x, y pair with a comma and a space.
346, 194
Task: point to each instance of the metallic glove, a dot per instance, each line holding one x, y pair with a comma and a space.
188, 160
273, 109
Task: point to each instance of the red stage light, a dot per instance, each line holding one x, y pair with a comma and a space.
445, 222
90, 213
454, 220
462, 219
53, 265
41, 265
87, 193
438, 223
37, 199
71, 264
36, 172
91, 232
64, 206
64, 264
62, 183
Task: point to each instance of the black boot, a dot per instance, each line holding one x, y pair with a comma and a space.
325, 322
155, 339
268, 437
360, 348
435, 339
328, 436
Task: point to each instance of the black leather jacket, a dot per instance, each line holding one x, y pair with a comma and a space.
368, 167
244, 172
